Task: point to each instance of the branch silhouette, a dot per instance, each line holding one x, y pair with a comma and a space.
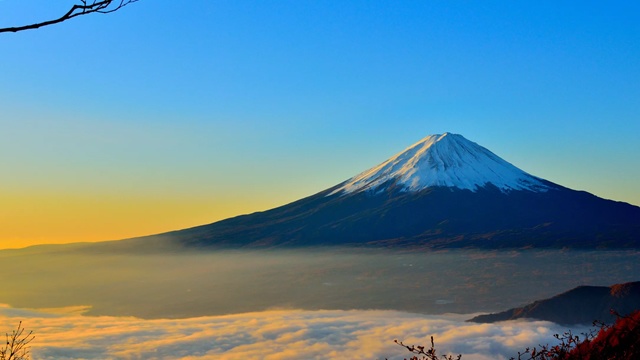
83, 8
17, 344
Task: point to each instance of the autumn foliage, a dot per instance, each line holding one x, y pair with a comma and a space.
620, 341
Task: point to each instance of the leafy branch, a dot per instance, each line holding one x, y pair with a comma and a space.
427, 354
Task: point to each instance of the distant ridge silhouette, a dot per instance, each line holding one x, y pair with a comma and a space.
581, 305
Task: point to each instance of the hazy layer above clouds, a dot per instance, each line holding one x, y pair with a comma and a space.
228, 282
274, 335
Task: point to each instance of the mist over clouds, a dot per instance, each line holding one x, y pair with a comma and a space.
276, 334
302, 304
182, 285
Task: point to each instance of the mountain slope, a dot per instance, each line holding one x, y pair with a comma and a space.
443, 191
581, 305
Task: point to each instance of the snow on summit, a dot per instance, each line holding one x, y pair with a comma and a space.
447, 160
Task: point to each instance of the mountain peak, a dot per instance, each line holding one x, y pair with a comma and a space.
443, 160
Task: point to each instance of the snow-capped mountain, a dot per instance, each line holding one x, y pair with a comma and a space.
446, 160
442, 192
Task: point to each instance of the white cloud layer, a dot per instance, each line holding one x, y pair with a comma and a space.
271, 335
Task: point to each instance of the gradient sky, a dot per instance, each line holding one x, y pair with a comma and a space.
170, 114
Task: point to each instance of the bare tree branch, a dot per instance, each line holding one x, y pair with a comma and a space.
83, 8
17, 344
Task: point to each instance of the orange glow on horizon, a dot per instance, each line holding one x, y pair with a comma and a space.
36, 219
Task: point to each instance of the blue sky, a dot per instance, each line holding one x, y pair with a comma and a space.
171, 114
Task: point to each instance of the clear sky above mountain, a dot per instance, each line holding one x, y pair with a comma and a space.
170, 114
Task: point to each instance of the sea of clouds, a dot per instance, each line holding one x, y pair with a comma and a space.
275, 334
